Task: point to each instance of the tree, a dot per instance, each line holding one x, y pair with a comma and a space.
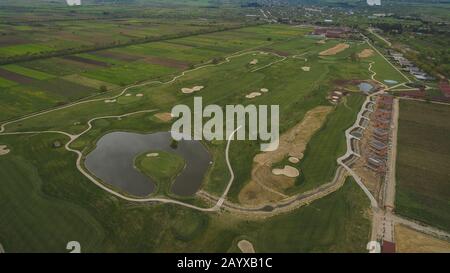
103, 88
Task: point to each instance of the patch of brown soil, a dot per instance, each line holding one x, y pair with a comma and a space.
292, 143
165, 117
167, 62
118, 56
411, 241
334, 50
12, 76
254, 194
366, 53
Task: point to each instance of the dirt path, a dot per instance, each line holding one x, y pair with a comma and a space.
379, 37
389, 189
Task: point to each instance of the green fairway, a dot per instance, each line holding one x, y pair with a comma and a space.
161, 166
423, 163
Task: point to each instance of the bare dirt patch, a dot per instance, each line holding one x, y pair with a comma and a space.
246, 247
139, 95
168, 62
334, 50
165, 117
411, 241
366, 53
254, 194
118, 56
292, 143
12, 76
4, 150
187, 90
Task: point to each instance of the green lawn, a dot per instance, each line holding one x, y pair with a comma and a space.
162, 167
47, 202
423, 163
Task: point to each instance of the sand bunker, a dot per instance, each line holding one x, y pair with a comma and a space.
152, 155
253, 95
334, 50
127, 95
264, 90
254, 61
192, 90
306, 68
139, 95
4, 150
110, 101
366, 53
264, 185
294, 160
321, 42
166, 117
288, 171
245, 246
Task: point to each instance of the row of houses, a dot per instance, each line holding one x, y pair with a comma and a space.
409, 66
379, 141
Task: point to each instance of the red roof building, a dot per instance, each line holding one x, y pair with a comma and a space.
445, 88
388, 247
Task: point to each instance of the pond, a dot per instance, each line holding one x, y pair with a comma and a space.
112, 161
365, 87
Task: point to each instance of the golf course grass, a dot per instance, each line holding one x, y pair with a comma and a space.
160, 166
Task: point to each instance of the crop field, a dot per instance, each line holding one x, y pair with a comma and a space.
423, 163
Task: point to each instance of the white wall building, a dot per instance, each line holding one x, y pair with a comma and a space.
374, 2
73, 2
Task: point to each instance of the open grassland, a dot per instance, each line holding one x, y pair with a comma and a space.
327, 145
423, 163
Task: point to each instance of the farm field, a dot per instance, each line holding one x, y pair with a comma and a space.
120, 67
423, 163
